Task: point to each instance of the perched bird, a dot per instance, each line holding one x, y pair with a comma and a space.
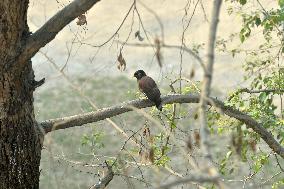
149, 87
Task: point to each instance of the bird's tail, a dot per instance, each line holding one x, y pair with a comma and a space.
158, 104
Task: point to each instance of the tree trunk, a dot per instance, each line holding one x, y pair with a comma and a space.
20, 146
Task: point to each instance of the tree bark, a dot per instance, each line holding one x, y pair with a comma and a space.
20, 144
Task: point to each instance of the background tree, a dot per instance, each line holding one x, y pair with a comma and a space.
168, 141
21, 139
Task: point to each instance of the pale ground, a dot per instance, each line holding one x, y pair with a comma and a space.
56, 98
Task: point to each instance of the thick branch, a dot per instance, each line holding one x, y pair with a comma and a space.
54, 25
191, 178
90, 117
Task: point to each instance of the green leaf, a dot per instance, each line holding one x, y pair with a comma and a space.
242, 2
262, 97
242, 37
257, 21
228, 154
278, 184
281, 3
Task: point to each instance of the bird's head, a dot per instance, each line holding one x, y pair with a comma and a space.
139, 74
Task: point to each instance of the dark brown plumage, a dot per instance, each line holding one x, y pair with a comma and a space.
149, 87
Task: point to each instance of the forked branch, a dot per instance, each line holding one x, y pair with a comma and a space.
53, 26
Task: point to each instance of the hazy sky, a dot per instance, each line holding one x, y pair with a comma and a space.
103, 20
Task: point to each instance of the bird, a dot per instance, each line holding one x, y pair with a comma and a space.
149, 88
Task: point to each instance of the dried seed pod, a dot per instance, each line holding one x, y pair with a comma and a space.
82, 20
121, 62
197, 138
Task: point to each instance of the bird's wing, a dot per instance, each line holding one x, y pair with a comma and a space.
149, 87
147, 83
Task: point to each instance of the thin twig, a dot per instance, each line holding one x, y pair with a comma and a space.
119, 27
246, 90
157, 18
183, 36
278, 163
177, 47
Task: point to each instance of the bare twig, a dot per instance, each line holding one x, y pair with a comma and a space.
119, 27
204, 12
125, 142
267, 181
278, 163
141, 23
185, 27
157, 18
184, 79
246, 90
69, 50
177, 47
90, 117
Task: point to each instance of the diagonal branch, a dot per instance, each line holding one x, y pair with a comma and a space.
191, 178
94, 116
105, 180
53, 26
90, 117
